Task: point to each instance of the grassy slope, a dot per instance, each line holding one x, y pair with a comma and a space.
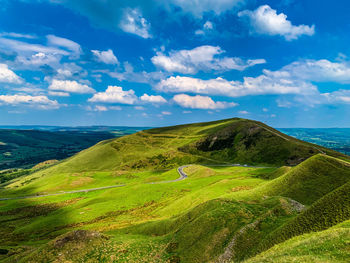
309, 181
32, 222
330, 245
163, 221
328, 211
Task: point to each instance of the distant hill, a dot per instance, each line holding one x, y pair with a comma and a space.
226, 141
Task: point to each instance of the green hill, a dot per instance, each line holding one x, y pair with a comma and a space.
219, 212
309, 181
330, 245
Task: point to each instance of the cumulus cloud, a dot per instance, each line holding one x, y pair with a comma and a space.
265, 20
295, 78
319, 70
152, 98
207, 27
8, 76
38, 59
70, 86
106, 57
40, 102
263, 84
133, 22
200, 102
203, 58
114, 94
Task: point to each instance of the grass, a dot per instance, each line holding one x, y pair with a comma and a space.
116, 209
330, 245
194, 220
309, 181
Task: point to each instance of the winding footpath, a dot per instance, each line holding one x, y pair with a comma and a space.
180, 171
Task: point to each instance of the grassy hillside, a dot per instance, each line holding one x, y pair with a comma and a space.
309, 181
330, 245
219, 212
328, 211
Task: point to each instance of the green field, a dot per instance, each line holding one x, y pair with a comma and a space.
260, 212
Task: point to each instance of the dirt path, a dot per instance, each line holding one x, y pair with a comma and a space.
180, 171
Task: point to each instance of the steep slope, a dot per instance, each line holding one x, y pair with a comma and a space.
330, 245
310, 180
321, 181
328, 211
245, 141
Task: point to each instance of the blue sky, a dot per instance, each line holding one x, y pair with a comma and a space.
156, 63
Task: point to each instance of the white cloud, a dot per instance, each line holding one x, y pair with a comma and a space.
39, 59
265, 20
28, 48
319, 70
152, 98
114, 94
36, 56
106, 57
203, 58
339, 96
267, 83
40, 102
200, 102
295, 78
207, 27
243, 112
70, 86
65, 43
133, 22
59, 94
17, 35
8, 76
166, 113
